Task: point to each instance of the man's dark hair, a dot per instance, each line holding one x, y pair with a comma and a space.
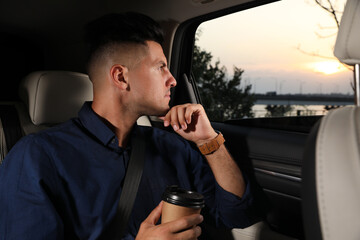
127, 27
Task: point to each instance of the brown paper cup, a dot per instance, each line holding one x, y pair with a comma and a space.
179, 202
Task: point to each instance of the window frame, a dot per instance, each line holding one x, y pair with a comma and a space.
182, 50
181, 63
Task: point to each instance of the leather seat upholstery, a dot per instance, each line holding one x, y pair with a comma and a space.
331, 177
347, 46
331, 164
49, 98
54, 96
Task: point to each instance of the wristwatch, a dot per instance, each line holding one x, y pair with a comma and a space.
213, 145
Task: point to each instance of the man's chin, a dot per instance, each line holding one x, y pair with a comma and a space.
158, 112
163, 112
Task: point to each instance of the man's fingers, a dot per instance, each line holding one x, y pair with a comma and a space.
192, 233
185, 223
166, 119
185, 228
154, 216
181, 117
188, 115
190, 111
174, 118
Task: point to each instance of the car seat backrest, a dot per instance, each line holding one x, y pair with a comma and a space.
54, 96
48, 98
331, 164
331, 177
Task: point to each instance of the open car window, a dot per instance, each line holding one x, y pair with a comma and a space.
274, 60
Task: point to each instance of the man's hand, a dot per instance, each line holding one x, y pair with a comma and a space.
191, 122
185, 228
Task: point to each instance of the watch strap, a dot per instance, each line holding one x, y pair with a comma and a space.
213, 145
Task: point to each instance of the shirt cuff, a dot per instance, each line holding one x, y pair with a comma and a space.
229, 198
233, 211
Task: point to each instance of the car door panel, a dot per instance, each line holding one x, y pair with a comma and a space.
273, 159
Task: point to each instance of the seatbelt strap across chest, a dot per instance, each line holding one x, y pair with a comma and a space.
130, 188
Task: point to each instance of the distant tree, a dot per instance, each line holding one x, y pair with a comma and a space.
330, 7
333, 8
222, 98
277, 110
331, 107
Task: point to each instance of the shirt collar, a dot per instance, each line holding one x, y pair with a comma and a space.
92, 122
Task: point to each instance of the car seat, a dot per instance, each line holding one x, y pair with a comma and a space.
47, 98
52, 97
331, 164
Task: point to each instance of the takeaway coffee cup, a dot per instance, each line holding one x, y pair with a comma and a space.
179, 202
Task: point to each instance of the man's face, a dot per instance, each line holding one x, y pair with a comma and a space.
150, 82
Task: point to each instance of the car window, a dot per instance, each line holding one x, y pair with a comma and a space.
271, 61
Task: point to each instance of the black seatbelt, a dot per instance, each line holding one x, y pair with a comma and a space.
11, 125
133, 175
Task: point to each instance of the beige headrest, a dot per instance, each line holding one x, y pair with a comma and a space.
347, 47
54, 96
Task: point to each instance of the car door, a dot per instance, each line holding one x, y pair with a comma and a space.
268, 150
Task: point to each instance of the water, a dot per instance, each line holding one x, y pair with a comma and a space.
296, 110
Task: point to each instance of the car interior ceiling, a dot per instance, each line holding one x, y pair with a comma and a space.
270, 150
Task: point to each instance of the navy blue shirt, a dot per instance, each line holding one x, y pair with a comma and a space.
65, 182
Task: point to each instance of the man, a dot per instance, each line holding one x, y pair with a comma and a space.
65, 183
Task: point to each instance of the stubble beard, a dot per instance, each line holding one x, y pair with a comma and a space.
163, 112
156, 111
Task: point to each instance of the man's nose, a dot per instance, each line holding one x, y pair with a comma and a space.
171, 81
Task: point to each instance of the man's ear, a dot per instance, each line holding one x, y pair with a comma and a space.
119, 76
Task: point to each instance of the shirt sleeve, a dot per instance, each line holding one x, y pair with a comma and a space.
27, 184
226, 208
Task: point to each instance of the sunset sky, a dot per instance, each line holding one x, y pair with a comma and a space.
269, 42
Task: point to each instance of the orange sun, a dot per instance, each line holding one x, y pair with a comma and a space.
327, 67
